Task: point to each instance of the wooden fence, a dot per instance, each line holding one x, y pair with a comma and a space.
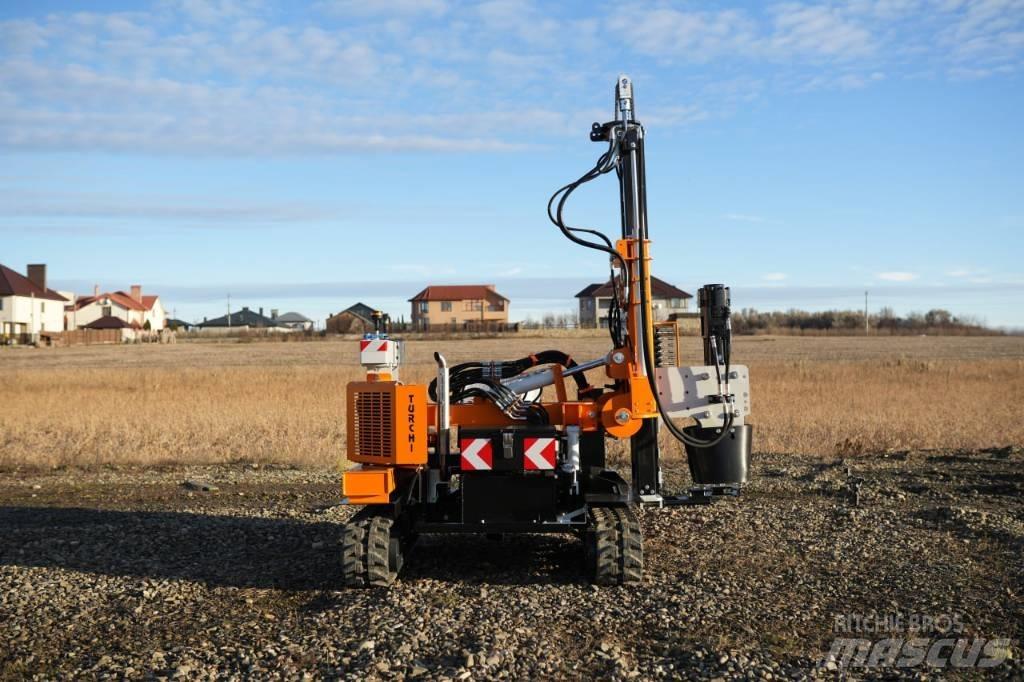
87, 337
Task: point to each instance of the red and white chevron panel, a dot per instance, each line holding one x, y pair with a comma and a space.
539, 454
477, 454
373, 345
378, 352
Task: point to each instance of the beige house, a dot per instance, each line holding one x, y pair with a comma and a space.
461, 305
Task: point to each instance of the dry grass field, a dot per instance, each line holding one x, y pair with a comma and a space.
111, 566
284, 402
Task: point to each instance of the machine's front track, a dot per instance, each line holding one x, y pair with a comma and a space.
372, 549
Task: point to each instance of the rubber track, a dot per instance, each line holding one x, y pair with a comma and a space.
364, 551
617, 546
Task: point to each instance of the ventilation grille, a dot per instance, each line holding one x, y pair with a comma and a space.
374, 423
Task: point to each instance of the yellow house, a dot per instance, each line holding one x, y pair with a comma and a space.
462, 305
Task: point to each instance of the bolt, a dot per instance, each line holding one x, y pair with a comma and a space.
618, 357
622, 416
591, 414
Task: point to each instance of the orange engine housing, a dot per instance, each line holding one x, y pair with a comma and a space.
387, 423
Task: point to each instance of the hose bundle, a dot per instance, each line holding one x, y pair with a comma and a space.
483, 380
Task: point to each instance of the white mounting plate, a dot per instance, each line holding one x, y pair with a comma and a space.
687, 391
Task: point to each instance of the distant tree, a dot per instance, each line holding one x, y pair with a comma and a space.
750, 321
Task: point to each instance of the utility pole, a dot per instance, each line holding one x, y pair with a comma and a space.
866, 330
229, 310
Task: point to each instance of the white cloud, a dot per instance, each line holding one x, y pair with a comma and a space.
774, 276
845, 81
23, 203
818, 30
213, 11
791, 30
671, 117
990, 31
230, 134
696, 36
236, 76
521, 18
897, 276
973, 275
383, 7
168, 116
20, 36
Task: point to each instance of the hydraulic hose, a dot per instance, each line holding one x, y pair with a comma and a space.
678, 433
608, 161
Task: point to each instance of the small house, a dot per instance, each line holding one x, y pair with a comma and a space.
356, 319
667, 302
240, 321
293, 321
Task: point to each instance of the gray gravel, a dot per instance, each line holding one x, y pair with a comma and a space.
133, 573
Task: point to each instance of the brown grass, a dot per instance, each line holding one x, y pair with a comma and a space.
285, 402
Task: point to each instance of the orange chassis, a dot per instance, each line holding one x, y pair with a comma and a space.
619, 413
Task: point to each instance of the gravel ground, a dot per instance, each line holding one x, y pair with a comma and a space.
129, 573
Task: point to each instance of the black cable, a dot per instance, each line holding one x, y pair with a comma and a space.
649, 365
605, 163
568, 231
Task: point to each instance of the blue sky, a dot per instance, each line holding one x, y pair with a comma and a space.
308, 156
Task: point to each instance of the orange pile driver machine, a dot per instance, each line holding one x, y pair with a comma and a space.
480, 449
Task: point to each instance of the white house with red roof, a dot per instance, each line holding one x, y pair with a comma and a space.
135, 310
27, 307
